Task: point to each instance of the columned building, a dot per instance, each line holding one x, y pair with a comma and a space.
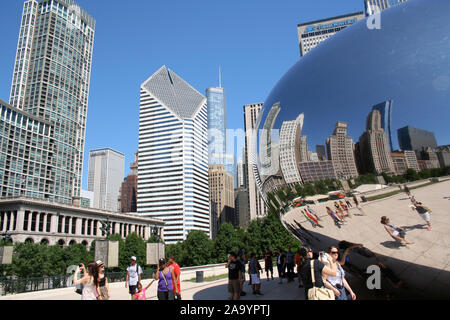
105, 176
340, 152
47, 222
257, 206
51, 81
290, 141
173, 155
374, 147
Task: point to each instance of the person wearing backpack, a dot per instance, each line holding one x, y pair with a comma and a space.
134, 272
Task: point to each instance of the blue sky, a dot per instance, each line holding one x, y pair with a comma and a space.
254, 41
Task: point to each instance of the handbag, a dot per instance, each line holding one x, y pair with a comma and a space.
316, 293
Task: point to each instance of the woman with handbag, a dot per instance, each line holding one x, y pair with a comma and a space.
312, 274
164, 275
338, 283
89, 281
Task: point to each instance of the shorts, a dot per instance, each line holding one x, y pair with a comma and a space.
132, 289
243, 277
425, 216
166, 295
234, 286
255, 279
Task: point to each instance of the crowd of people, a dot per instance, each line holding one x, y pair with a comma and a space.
93, 285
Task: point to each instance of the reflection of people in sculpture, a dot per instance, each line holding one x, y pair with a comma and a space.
424, 212
395, 232
335, 218
308, 208
345, 208
355, 200
311, 219
339, 211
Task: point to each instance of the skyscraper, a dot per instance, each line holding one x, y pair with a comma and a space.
311, 34
320, 150
374, 147
128, 191
340, 152
106, 168
410, 138
374, 6
257, 206
173, 155
51, 81
385, 109
240, 174
290, 142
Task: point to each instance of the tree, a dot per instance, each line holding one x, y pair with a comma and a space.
308, 189
411, 175
320, 187
197, 248
300, 191
134, 246
226, 241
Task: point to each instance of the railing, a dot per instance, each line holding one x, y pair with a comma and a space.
13, 286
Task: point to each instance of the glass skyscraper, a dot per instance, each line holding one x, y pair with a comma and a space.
372, 5
51, 81
217, 128
385, 109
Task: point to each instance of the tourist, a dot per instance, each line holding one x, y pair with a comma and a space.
134, 272
349, 204
177, 280
424, 212
320, 270
338, 283
290, 264
89, 280
254, 269
336, 219
268, 263
345, 208
397, 233
281, 264
165, 276
242, 258
358, 206
308, 208
298, 260
103, 286
234, 277
311, 219
141, 292
339, 211
408, 193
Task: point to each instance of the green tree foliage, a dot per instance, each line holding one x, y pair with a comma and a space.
300, 190
320, 187
197, 248
134, 246
411, 175
227, 240
309, 189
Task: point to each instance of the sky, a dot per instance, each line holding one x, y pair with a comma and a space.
253, 41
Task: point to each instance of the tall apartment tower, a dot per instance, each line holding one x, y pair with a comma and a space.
374, 6
340, 152
221, 191
105, 176
385, 109
257, 206
128, 191
374, 147
173, 155
311, 34
240, 174
51, 81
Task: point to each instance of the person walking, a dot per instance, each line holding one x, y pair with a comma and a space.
268, 263
165, 276
290, 264
134, 272
89, 280
254, 268
358, 206
345, 208
297, 260
423, 211
406, 189
103, 286
397, 233
234, 277
337, 221
177, 280
242, 258
141, 292
338, 283
281, 264
319, 270
349, 204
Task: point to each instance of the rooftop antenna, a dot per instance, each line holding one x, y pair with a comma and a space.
220, 78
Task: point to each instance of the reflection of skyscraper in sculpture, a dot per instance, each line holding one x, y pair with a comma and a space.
290, 149
374, 6
257, 207
266, 141
374, 147
320, 150
303, 149
340, 152
385, 109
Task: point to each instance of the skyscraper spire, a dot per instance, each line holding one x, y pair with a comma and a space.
220, 77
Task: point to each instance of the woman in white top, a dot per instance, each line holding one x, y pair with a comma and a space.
338, 283
395, 232
89, 281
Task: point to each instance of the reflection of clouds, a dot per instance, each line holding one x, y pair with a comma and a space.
441, 83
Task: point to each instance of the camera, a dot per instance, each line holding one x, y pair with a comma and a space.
339, 286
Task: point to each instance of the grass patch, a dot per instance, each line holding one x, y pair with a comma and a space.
389, 194
211, 278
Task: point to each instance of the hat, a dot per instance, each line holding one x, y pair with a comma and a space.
99, 262
133, 258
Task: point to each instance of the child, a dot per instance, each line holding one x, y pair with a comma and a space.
140, 292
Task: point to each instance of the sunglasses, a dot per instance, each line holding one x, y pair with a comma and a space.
334, 252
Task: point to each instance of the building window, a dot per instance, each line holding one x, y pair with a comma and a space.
25, 220
60, 222
83, 223
49, 222
74, 225
94, 230
41, 222
89, 227
33, 221
66, 225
